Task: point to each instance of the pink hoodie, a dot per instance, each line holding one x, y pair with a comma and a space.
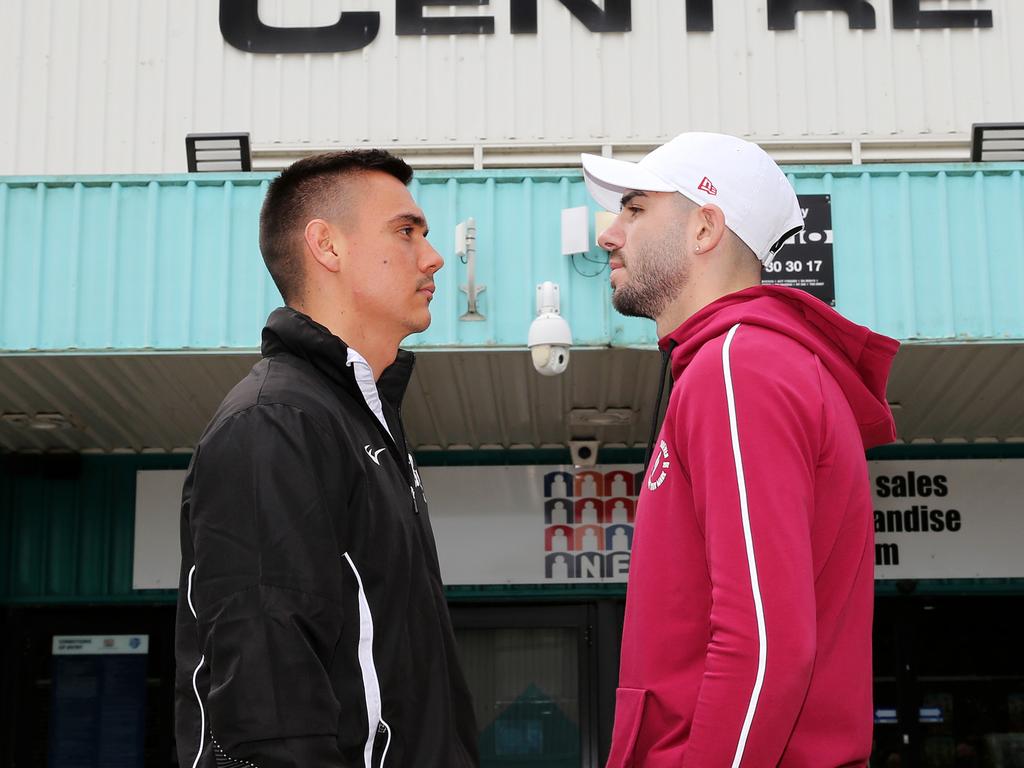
747, 638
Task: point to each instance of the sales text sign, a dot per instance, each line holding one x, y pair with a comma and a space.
948, 519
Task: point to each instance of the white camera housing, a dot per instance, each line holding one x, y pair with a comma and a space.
549, 338
584, 452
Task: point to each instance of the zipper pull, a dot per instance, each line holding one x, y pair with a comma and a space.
415, 504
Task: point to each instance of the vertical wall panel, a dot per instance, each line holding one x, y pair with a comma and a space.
112, 86
67, 526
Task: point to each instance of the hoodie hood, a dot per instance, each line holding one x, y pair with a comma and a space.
856, 356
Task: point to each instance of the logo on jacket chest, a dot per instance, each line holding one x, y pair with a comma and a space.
374, 453
659, 467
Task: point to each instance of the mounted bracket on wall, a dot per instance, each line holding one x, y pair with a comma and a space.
465, 249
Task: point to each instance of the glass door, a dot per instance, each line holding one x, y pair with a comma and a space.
949, 686
529, 669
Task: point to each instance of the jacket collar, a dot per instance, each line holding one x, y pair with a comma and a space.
291, 332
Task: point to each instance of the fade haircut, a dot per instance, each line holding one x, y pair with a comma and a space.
312, 188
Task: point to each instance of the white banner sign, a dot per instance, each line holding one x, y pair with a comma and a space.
948, 519
544, 525
556, 525
532, 524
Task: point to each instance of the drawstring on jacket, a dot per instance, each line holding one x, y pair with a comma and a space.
666, 358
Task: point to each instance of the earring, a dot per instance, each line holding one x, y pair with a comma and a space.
696, 249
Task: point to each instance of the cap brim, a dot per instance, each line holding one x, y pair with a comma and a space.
608, 179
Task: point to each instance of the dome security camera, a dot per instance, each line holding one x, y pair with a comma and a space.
549, 338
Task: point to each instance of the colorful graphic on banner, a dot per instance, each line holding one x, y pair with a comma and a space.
588, 523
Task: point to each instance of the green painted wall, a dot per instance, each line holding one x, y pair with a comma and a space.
67, 527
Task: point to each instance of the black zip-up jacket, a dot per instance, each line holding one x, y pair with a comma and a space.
312, 626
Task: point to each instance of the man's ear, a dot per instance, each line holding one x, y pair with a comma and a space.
322, 242
710, 227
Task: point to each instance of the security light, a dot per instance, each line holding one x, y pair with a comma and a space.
995, 142
218, 152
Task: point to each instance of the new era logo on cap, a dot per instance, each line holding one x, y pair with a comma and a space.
706, 186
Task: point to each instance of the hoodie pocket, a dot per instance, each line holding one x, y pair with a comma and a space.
629, 715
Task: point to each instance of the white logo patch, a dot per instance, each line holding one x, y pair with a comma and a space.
415, 474
373, 454
659, 467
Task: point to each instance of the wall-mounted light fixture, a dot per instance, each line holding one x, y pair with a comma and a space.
997, 142
594, 417
220, 152
43, 422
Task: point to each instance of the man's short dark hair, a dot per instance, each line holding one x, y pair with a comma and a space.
306, 190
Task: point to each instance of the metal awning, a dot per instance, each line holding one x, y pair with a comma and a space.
130, 305
470, 399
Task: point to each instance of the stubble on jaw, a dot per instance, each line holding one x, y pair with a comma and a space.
659, 269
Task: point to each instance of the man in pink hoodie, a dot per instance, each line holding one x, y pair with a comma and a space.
747, 637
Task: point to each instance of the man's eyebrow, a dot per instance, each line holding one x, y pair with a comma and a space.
629, 196
411, 218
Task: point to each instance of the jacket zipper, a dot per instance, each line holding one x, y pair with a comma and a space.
386, 436
411, 473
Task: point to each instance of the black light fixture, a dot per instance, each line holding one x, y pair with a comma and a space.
222, 152
995, 142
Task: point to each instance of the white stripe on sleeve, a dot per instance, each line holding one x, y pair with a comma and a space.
371, 684
755, 587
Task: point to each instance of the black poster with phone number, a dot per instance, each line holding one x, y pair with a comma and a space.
806, 260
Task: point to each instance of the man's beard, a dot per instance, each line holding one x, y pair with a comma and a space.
658, 271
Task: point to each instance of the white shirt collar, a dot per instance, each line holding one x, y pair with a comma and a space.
367, 385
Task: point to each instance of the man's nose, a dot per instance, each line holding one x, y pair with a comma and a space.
432, 261
612, 238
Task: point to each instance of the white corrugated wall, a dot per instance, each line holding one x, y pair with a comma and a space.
114, 85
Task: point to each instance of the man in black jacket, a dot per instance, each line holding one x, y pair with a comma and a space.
312, 626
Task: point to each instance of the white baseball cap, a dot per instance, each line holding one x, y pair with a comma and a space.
739, 177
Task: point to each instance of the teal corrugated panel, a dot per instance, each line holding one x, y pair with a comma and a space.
132, 263
1005, 244
172, 262
518, 220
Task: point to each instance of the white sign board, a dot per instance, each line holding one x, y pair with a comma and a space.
532, 524
558, 525
540, 525
157, 529
948, 519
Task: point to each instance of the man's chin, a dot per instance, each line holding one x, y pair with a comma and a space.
418, 324
626, 303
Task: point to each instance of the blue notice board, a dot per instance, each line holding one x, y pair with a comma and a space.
98, 712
